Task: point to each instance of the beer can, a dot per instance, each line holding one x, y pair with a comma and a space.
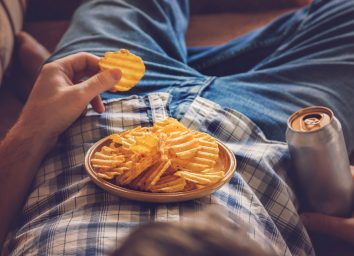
319, 155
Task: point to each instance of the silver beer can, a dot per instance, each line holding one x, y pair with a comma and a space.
319, 155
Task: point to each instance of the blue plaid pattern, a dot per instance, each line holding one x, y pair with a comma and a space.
67, 214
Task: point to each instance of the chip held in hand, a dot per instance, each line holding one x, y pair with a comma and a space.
131, 66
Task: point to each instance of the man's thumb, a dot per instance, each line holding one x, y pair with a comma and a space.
101, 82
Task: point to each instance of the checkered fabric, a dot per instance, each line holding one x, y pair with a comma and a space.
67, 214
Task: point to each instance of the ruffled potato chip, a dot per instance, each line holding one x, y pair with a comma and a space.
168, 125
131, 66
202, 156
201, 178
169, 184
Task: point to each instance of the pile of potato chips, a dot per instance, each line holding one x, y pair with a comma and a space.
167, 157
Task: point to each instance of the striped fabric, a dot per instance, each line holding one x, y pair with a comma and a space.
67, 214
11, 20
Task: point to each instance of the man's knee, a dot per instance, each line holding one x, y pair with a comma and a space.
331, 14
337, 6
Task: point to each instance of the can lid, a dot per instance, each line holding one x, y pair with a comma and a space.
310, 119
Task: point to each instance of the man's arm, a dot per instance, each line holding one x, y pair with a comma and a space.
54, 104
339, 228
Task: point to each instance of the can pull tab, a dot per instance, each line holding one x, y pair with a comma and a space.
311, 122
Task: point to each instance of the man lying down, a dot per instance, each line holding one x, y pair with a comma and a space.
301, 59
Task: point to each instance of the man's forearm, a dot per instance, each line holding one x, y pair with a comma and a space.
53, 105
21, 152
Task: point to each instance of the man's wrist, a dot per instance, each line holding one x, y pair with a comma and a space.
31, 132
21, 153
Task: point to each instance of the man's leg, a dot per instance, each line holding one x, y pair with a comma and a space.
148, 27
153, 30
310, 63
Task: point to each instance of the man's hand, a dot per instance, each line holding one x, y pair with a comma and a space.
340, 228
57, 99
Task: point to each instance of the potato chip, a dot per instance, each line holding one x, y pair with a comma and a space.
198, 186
198, 158
209, 147
168, 125
182, 145
108, 150
140, 181
145, 144
106, 160
189, 186
169, 184
107, 175
157, 173
112, 173
150, 176
137, 132
136, 170
113, 161
188, 165
116, 138
131, 66
201, 178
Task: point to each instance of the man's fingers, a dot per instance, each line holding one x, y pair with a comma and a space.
97, 104
79, 62
101, 82
340, 228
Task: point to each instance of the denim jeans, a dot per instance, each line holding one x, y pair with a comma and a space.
301, 59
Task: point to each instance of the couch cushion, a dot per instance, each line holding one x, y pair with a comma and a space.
11, 20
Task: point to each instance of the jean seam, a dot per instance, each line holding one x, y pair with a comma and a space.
206, 83
202, 84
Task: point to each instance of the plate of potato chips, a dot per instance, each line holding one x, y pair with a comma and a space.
163, 163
